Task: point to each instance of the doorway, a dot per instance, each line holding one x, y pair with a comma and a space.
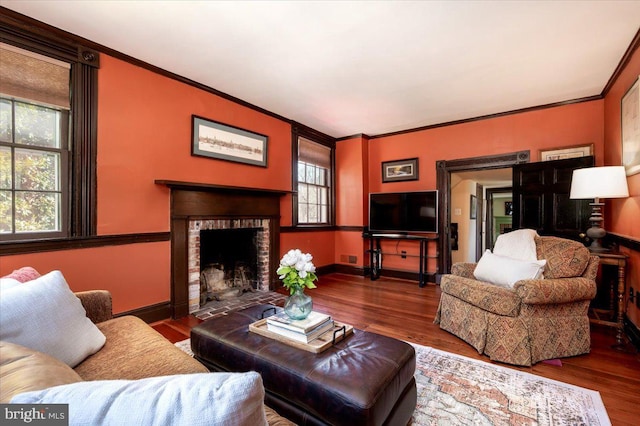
499, 213
473, 209
444, 170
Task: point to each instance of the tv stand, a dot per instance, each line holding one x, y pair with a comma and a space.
375, 252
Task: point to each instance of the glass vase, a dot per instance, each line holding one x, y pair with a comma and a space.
299, 305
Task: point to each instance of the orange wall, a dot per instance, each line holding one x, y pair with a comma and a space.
144, 133
137, 275
352, 197
574, 124
622, 215
318, 243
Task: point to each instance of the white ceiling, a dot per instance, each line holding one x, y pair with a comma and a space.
368, 67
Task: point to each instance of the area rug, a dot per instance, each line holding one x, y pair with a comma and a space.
456, 390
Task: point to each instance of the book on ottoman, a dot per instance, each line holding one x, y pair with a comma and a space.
304, 330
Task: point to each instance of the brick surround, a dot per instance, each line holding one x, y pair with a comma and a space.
193, 257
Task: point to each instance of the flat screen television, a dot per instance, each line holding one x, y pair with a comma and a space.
403, 212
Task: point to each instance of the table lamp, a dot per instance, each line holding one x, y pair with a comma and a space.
597, 183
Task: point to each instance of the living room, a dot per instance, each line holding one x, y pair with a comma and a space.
144, 134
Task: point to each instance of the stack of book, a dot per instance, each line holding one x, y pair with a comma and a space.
306, 330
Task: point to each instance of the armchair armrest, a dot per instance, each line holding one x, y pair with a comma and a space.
97, 303
463, 269
553, 291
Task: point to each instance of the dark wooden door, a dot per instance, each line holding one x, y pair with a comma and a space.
541, 198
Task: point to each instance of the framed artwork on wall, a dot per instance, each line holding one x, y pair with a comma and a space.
217, 140
564, 152
508, 208
630, 116
400, 170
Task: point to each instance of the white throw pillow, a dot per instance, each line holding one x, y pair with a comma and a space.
505, 271
7, 283
190, 399
46, 316
519, 244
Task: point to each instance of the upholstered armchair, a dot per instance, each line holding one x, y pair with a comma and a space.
535, 320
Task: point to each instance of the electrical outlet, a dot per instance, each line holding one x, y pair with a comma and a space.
403, 254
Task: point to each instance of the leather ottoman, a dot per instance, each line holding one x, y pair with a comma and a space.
365, 379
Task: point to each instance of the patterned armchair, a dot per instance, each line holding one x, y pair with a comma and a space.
537, 319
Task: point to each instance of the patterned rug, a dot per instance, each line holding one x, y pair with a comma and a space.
456, 390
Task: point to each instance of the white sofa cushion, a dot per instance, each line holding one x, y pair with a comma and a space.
230, 399
46, 316
505, 271
7, 283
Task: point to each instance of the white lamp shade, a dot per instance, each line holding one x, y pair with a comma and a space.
599, 182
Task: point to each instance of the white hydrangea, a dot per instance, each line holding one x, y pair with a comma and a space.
296, 264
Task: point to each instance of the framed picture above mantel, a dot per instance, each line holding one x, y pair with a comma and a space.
224, 142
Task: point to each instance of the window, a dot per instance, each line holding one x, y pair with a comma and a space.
34, 144
314, 183
33, 156
47, 136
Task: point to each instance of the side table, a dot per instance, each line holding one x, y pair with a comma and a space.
619, 260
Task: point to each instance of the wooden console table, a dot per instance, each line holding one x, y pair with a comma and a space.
619, 260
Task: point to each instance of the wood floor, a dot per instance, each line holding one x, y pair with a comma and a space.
401, 309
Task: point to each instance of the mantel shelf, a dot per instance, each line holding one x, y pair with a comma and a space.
208, 187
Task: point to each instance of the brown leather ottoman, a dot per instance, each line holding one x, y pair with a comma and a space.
366, 379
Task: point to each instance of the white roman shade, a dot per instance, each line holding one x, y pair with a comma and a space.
30, 76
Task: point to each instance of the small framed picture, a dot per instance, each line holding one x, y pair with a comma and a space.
564, 152
216, 140
400, 170
508, 208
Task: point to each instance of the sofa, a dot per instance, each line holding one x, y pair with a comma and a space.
531, 319
132, 353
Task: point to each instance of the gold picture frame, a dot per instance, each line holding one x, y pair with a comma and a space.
564, 152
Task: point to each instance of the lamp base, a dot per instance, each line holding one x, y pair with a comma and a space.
596, 234
596, 247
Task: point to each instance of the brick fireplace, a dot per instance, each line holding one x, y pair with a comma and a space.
229, 244
196, 207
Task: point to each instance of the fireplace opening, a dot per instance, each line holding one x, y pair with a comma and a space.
228, 262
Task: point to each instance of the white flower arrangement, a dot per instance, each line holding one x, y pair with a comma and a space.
296, 271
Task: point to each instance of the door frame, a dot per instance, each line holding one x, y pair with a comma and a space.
490, 193
444, 168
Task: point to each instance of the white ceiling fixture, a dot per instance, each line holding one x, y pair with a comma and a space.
370, 67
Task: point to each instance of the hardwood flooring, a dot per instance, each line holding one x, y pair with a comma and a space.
401, 309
